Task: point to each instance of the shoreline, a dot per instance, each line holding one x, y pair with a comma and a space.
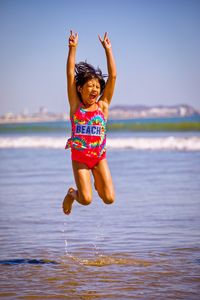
149, 119
113, 125
156, 127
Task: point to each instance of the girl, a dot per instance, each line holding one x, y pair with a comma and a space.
89, 98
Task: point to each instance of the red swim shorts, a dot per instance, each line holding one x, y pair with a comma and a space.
90, 162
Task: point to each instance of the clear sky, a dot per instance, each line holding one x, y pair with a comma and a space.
156, 45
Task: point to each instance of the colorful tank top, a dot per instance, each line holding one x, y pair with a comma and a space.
88, 132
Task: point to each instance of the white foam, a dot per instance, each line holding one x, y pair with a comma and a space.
138, 143
32, 142
164, 143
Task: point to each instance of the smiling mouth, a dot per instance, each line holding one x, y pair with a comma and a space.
93, 97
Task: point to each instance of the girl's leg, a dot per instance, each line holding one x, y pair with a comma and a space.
83, 194
103, 182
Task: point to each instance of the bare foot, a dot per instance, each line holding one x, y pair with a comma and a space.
68, 201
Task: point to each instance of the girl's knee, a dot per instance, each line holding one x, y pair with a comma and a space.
108, 198
84, 198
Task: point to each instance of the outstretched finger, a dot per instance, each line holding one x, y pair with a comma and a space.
100, 38
105, 35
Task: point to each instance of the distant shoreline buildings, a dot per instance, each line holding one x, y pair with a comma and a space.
118, 112
41, 116
142, 111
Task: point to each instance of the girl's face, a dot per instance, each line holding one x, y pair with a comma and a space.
90, 91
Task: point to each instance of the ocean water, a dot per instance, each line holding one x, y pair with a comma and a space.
144, 246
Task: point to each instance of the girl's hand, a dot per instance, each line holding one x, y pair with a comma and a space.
105, 42
73, 39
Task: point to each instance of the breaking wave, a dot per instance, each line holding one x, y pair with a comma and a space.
135, 143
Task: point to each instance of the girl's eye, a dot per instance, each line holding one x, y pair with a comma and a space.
91, 86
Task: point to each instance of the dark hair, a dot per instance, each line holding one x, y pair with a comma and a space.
85, 72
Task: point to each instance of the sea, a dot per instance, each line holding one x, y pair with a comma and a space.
144, 246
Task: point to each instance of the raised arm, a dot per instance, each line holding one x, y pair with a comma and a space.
112, 72
70, 68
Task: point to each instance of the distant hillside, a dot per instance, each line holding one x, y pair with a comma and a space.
142, 111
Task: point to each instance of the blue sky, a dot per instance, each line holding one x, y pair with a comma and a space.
156, 45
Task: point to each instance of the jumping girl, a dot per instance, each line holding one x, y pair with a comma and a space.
89, 99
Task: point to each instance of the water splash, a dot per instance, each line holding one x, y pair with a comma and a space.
64, 231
